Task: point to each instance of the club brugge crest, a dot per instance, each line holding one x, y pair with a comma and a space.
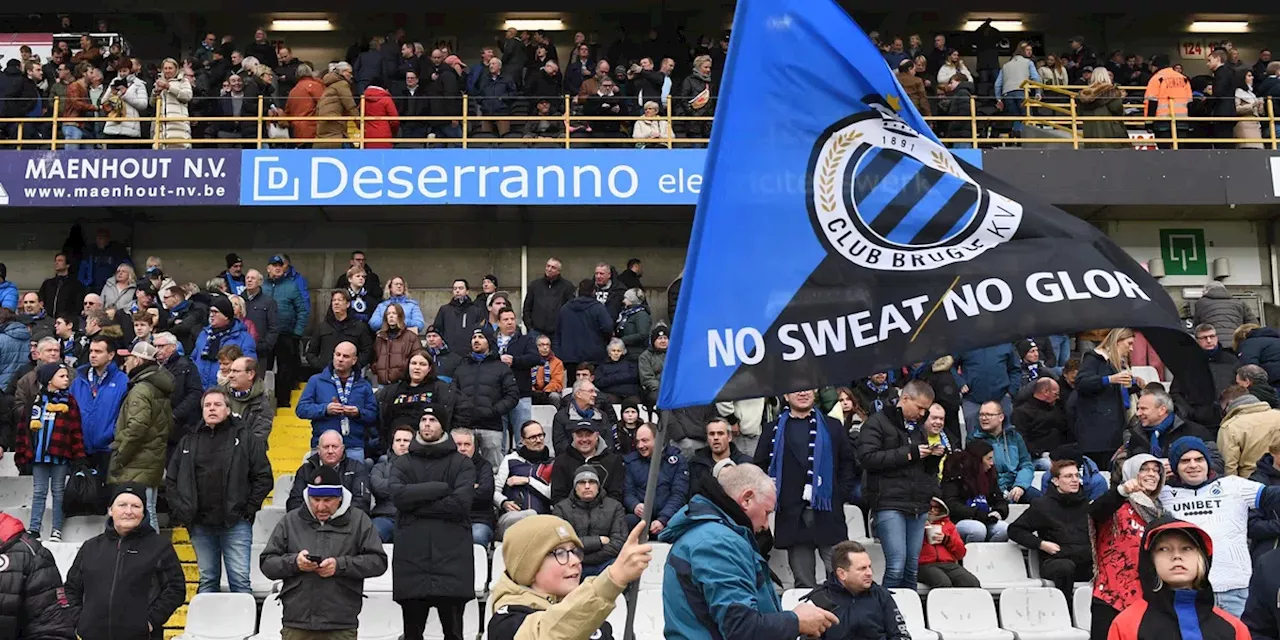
884, 197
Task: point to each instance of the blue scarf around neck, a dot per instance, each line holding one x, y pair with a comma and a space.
820, 462
1157, 432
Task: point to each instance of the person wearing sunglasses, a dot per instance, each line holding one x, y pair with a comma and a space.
542, 595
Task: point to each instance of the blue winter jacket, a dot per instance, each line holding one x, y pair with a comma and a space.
293, 308
9, 295
99, 265
1091, 480
1014, 467
98, 414
15, 350
303, 288
715, 574
321, 390
208, 369
1262, 347
991, 372
412, 314
673, 483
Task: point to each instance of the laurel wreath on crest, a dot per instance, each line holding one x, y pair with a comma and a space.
840, 146
943, 163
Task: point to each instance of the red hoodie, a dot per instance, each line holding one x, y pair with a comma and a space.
952, 547
378, 103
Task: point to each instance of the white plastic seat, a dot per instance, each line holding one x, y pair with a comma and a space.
1081, 600
284, 484
1036, 478
480, 560
81, 528
618, 617
221, 616
856, 523
999, 565
792, 597
8, 466
382, 583
380, 618
780, 566
271, 624
649, 617
64, 555
1038, 613
1148, 374
265, 522
912, 611
259, 584
651, 579
965, 614
15, 492
499, 566
1016, 510
877, 561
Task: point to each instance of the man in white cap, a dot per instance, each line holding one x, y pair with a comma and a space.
142, 430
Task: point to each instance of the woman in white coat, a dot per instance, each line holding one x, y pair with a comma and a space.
172, 92
126, 98
651, 128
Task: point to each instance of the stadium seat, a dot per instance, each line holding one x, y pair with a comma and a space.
272, 621
64, 554
651, 579
1036, 478
499, 566
221, 616
779, 565
382, 583
8, 468
380, 618
1016, 510
1038, 613
1148, 374
265, 522
1081, 600
81, 528
284, 484
649, 616
470, 622
480, 558
856, 522
259, 584
544, 414
908, 602
965, 614
15, 492
877, 561
792, 597
999, 565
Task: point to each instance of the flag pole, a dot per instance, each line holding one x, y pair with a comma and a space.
650, 492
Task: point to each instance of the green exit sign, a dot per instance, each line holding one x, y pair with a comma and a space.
1183, 251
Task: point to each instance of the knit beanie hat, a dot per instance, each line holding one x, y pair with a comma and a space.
1023, 346
1182, 445
45, 373
527, 543
223, 305
134, 489
586, 473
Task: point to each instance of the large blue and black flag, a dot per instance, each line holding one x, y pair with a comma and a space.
836, 237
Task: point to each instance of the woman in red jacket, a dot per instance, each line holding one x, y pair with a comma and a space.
942, 551
1177, 599
1120, 517
378, 104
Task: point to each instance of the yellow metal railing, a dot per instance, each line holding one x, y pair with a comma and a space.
1061, 115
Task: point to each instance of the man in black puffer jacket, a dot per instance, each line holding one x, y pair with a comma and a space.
902, 477
489, 391
1057, 525
340, 326
32, 602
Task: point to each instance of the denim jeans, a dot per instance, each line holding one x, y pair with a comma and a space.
1013, 107
977, 531
46, 475
901, 535
1232, 600
1061, 345
72, 132
152, 519
520, 414
386, 526
481, 534
217, 545
356, 453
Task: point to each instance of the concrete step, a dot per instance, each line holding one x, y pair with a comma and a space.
178, 620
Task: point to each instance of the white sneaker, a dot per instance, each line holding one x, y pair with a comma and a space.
56, 536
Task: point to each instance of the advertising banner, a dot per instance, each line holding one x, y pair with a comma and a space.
139, 177
480, 176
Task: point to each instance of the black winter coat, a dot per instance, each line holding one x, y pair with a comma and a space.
523, 350
1042, 425
960, 499
1222, 368
354, 474
488, 391
482, 502
621, 378
185, 397
1140, 437
607, 463
249, 478
601, 517
872, 615
828, 526
567, 418
897, 477
701, 466
432, 487
187, 325
611, 297
263, 312
583, 331
456, 321
115, 579
63, 294
542, 304
1058, 518
399, 400
32, 603
331, 333
1264, 524
1099, 417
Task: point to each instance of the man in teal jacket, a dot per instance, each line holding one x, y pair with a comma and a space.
1014, 467
716, 572
294, 311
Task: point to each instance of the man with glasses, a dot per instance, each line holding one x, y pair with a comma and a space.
1057, 525
248, 397
522, 487
433, 486
902, 477
1222, 367
1014, 468
185, 398
581, 406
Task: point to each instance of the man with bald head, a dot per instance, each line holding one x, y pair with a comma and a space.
331, 453
340, 399
1042, 420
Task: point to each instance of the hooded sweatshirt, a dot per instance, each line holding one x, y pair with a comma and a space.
1119, 525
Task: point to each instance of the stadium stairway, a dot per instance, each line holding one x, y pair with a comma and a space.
289, 443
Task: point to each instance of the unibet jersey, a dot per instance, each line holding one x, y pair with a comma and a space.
1221, 508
